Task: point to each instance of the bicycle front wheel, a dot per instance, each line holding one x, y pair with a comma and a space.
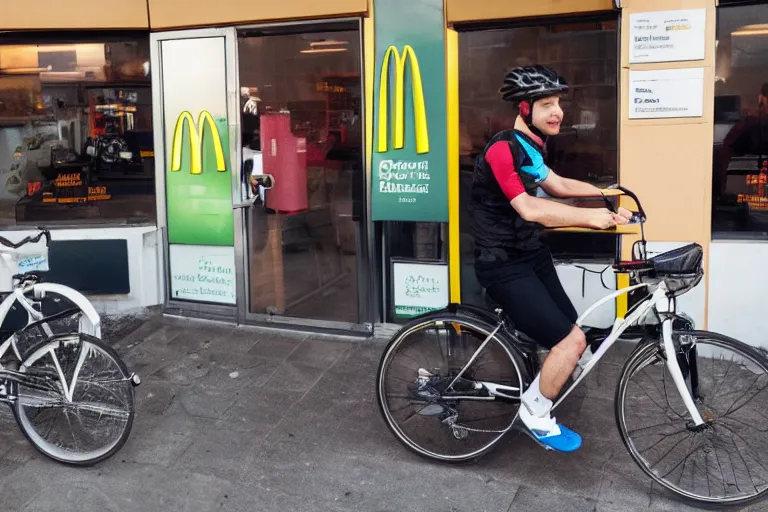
724, 461
431, 406
77, 405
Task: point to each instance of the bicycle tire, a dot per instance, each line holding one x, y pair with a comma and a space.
425, 320
104, 453
644, 353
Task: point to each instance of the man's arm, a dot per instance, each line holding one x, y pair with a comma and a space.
557, 186
552, 214
536, 209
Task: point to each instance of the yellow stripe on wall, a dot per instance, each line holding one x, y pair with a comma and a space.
369, 55
622, 301
452, 108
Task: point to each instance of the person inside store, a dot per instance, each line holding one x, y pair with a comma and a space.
749, 136
511, 261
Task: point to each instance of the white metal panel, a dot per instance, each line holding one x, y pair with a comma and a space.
737, 291
571, 277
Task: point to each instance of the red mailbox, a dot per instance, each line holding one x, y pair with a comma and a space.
285, 157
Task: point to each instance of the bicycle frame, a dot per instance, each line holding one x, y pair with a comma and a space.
662, 303
90, 322
659, 300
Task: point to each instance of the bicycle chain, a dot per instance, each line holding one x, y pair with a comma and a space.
470, 429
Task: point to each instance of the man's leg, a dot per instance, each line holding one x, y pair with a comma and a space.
565, 354
561, 362
532, 309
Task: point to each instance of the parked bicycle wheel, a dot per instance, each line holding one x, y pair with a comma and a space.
724, 461
78, 404
450, 423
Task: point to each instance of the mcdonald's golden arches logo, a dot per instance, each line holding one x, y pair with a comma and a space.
196, 136
421, 132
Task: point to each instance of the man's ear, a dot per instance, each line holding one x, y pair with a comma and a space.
525, 109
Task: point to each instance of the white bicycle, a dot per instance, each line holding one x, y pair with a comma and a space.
691, 406
70, 392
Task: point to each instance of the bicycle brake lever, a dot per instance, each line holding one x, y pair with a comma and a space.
609, 204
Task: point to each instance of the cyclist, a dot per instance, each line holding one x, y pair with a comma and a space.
511, 262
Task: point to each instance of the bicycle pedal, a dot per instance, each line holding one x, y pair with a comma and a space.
523, 429
432, 410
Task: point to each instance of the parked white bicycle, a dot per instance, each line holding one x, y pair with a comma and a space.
690, 405
70, 392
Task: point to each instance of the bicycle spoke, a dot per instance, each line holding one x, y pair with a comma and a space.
724, 460
486, 418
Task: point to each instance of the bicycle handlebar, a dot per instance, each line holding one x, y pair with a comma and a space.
29, 239
631, 195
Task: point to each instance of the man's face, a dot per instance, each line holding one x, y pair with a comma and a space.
547, 115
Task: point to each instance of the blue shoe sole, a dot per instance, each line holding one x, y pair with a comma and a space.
568, 441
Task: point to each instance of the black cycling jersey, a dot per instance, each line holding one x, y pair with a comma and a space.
511, 164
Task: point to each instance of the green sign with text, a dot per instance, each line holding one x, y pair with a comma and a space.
410, 168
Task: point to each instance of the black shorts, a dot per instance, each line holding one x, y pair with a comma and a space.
529, 291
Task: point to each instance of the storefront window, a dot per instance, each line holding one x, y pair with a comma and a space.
585, 52
76, 133
740, 163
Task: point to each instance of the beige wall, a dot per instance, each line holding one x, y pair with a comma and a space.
73, 14
668, 162
479, 10
174, 13
164, 14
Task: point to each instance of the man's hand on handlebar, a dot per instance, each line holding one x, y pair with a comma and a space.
603, 218
623, 216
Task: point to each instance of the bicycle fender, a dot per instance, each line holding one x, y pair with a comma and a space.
93, 324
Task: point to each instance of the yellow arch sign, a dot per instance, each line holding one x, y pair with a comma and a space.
398, 116
196, 133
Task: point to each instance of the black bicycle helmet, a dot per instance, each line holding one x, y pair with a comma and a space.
530, 83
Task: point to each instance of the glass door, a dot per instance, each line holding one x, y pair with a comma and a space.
193, 80
303, 174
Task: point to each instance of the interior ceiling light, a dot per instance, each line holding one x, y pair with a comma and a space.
327, 42
324, 50
752, 30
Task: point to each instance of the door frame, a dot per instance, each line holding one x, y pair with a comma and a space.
210, 311
365, 262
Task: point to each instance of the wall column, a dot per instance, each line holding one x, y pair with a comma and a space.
668, 162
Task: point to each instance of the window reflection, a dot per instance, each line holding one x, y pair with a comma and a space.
76, 133
740, 163
586, 54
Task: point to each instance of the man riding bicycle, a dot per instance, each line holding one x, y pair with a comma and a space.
511, 262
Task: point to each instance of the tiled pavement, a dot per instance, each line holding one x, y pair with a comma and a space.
248, 420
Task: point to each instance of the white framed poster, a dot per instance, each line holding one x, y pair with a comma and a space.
203, 273
668, 93
667, 36
419, 287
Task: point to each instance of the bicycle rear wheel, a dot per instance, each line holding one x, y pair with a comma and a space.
724, 461
432, 418
78, 405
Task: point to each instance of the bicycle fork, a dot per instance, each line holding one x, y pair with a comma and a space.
666, 306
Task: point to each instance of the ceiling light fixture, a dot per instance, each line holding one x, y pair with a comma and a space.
328, 42
324, 50
752, 30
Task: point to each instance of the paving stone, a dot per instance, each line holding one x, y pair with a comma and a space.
278, 348
321, 353
529, 498
295, 376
